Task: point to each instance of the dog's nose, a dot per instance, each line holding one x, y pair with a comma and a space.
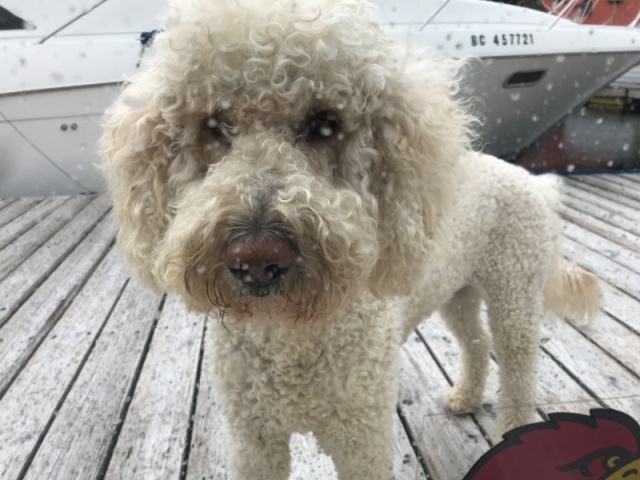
259, 262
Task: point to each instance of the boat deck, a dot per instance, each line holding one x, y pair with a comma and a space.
101, 379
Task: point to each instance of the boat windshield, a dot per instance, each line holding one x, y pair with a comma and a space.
9, 21
534, 4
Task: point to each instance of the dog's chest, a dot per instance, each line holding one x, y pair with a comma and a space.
319, 360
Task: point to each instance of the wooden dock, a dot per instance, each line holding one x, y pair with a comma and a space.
101, 379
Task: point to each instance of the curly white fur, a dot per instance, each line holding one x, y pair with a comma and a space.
390, 213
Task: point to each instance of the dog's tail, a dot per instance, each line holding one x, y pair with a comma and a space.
572, 293
569, 291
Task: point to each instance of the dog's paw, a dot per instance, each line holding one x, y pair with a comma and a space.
461, 401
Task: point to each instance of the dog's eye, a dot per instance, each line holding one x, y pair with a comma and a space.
219, 127
323, 125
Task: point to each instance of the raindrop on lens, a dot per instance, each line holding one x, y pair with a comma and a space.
326, 131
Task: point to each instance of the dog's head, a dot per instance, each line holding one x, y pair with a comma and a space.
282, 155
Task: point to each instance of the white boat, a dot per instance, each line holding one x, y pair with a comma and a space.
63, 63
58, 76
535, 69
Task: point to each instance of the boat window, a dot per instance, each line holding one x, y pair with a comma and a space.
9, 21
524, 79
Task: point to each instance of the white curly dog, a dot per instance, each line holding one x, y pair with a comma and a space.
287, 168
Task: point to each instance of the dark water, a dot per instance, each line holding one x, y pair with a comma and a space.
591, 139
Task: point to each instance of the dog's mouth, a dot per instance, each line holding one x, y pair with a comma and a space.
261, 281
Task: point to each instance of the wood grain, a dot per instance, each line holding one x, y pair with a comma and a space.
153, 438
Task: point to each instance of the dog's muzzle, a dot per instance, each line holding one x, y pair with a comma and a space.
259, 264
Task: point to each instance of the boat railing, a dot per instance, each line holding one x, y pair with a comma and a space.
434, 14
568, 5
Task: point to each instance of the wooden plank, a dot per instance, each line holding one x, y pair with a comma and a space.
600, 192
558, 392
18, 251
4, 202
599, 214
450, 444
620, 276
618, 340
595, 369
32, 321
585, 223
153, 438
208, 452
21, 224
634, 177
604, 246
17, 208
580, 197
308, 461
621, 306
15, 288
41, 386
619, 181
405, 462
606, 189
80, 438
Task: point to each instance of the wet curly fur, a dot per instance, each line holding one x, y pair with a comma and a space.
304, 124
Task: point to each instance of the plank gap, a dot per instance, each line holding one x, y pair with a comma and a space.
194, 405
26, 294
574, 377
435, 357
17, 208
67, 390
604, 350
413, 441
51, 321
106, 460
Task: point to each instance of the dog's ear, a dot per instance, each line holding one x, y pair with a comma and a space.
420, 134
134, 149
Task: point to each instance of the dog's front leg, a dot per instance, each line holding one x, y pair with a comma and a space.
256, 454
360, 447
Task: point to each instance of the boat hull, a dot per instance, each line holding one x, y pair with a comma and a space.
513, 117
48, 141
